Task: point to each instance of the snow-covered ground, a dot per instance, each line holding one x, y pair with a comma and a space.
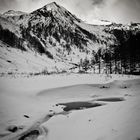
29, 107
13, 60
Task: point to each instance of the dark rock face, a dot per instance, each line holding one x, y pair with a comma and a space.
12, 128
11, 39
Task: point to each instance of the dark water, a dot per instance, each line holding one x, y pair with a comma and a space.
111, 99
84, 105
79, 105
31, 135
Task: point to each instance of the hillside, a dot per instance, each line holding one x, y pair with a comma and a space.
69, 43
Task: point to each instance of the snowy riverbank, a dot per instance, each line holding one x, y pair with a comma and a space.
30, 106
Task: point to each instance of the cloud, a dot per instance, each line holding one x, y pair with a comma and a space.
6, 4
114, 10
120, 11
98, 2
127, 10
23, 5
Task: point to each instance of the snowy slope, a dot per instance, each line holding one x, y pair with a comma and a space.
18, 61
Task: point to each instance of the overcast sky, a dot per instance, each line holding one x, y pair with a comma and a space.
120, 11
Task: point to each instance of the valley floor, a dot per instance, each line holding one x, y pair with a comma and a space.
70, 107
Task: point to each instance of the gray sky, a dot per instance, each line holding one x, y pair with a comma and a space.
120, 11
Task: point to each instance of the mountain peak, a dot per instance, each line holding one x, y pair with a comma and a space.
51, 6
53, 3
13, 13
57, 11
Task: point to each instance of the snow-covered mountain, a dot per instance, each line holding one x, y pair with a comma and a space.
58, 36
100, 22
13, 13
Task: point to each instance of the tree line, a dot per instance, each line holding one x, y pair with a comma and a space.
121, 58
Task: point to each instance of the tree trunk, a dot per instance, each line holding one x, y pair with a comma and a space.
99, 66
110, 67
